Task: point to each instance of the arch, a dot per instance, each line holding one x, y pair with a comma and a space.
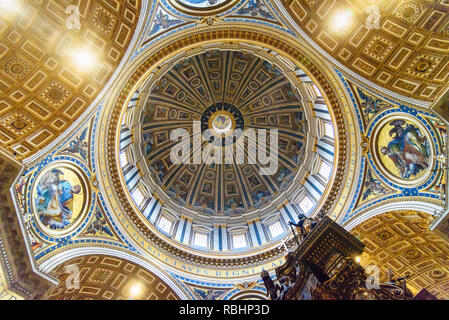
74, 253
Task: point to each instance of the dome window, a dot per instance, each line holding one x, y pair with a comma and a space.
164, 224
276, 229
239, 241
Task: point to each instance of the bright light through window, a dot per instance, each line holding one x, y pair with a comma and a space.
342, 20
123, 159
325, 170
306, 204
317, 91
135, 290
164, 224
239, 241
329, 130
200, 239
275, 229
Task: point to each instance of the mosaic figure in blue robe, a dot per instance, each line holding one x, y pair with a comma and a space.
54, 201
409, 150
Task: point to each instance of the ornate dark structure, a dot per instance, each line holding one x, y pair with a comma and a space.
325, 267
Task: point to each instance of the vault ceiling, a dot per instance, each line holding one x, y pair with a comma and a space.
17, 278
109, 278
41, 91
402, 242
407, 54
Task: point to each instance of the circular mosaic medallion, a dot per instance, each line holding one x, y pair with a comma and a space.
403, 150
60, 197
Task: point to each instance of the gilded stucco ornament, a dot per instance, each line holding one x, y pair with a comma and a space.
203, 7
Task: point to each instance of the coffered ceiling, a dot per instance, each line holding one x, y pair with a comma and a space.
259, 96
42, 90
109, 278
402, 242
408, 53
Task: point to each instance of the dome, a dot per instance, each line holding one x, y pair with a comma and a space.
222, 137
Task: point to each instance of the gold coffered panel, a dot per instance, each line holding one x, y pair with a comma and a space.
41, 90
408, 53
402, 242
108, 278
